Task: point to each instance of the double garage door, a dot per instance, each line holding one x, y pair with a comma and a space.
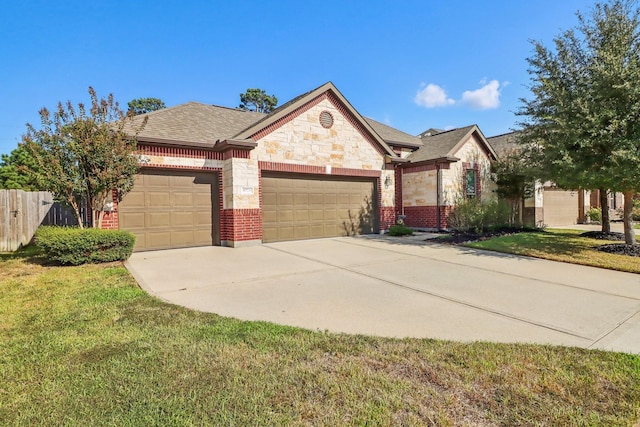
178, 209
305, 207
172, 209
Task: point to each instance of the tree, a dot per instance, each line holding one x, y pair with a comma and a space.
582, 124
514, 182
257, 100
16, 170
84, 153
145, 105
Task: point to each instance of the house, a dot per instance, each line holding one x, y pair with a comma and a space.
314, 167
552, 206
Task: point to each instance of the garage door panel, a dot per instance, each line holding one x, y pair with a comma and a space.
162, 181
202, 201
301, 215
181, 239
160, 239
181, 200
181, 219
132, 220
136, 199
158, 199
172, 209
307, 206
283, 215
269, 216
316, 215
158, 219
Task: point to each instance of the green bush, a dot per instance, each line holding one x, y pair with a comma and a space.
635, 214
471, 215
75, 246
594, 215
400, 230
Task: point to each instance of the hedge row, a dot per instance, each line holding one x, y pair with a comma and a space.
75, 246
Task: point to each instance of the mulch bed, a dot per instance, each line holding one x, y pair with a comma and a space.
620, 249
601, 235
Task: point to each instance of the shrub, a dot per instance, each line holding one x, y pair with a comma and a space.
75, 246
400, 230
635, 214
471, 215
594, 215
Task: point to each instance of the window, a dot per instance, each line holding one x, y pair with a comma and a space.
470, 183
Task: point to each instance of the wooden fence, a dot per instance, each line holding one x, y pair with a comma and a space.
21, 213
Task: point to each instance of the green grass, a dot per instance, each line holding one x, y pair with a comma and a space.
560, 245
85, 346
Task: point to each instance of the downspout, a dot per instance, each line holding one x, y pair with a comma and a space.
438, 184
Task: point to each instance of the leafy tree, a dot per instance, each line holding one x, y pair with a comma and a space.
84, 153
582, 124
510, 171
257, 100
145, 105
16, 170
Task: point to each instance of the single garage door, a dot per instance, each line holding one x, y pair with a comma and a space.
172, 209
560, 207
307, 207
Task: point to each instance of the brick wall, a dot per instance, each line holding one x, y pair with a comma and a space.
110, 219
237, 225
427, 216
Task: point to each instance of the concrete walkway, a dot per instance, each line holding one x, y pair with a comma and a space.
402, 287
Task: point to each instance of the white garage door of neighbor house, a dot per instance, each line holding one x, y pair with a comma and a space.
560, 207
306, 206
172, 209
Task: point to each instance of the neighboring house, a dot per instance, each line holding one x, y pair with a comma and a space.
552, 206
314, 167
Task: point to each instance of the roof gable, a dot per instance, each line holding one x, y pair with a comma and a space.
446, 144
299, 104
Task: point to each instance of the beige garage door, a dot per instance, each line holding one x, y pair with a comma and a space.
307, 207
560, 207
172, 209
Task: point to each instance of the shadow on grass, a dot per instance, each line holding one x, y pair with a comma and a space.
525, 244
30, 254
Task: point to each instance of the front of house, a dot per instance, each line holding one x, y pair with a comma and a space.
312, 168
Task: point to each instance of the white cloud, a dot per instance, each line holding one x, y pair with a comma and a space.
485, 98
433, 96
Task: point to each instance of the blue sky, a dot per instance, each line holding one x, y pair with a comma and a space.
411, 64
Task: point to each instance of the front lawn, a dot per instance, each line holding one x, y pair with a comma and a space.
85, 346
560, 245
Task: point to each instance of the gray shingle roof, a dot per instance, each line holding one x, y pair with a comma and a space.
504, 143
196, 122
440, 145
393, 136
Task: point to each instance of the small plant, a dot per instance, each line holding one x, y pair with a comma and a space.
75, 246
400, 230
594, 215
635, 213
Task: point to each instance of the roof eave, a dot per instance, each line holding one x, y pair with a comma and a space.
165, 142
434, 161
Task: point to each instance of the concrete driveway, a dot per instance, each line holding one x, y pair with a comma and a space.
402, 287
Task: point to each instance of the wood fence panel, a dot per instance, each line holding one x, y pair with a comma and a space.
21, 213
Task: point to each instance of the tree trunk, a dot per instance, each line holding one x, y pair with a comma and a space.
604, 207
629, 233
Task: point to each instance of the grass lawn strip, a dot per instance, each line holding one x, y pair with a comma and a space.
85, 346
560, 245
